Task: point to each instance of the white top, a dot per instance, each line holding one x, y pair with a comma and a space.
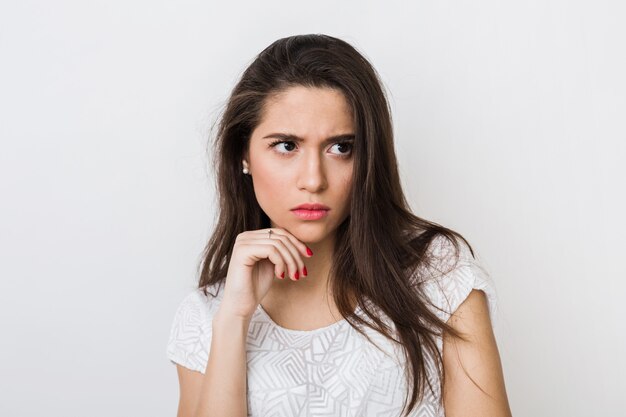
334, 370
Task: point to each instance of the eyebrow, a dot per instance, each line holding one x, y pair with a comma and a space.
292, 137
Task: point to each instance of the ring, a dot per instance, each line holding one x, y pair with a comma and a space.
270, 234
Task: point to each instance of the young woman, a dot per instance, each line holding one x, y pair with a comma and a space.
320, 293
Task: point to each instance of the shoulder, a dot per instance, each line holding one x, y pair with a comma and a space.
199, 303
191, 328
453, 276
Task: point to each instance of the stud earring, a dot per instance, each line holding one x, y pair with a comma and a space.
245, 168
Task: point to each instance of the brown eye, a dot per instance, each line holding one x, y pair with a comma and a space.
347, 146
280, 142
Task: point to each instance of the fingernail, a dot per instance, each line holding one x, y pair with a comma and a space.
304, 271
282, 275
297, 276
309, 251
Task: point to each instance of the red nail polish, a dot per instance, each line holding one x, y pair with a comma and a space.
309, 251
297, 276
282, 275
304, 271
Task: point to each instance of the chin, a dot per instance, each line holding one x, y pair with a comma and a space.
305, 231
311, 232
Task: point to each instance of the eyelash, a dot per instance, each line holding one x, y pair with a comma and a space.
347, 155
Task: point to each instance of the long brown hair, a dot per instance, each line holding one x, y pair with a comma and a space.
395, 248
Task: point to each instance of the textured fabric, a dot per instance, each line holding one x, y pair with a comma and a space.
331, 371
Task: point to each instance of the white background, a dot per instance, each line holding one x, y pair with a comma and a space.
509, 121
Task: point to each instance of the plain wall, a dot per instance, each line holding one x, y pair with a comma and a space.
509, 124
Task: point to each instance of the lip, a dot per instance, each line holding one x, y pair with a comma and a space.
311, 206
310, 214
311, 211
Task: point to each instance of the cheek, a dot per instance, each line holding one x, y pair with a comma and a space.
347, 182
267, 186
343, 192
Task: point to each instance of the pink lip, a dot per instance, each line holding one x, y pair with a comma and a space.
310, 214
311, 206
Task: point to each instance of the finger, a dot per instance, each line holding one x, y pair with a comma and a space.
301, 246
290, 242
292, 267
271, 252
296, 265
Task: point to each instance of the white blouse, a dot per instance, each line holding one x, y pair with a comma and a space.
334, 370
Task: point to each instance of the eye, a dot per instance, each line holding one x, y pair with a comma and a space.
279, 142
344, 145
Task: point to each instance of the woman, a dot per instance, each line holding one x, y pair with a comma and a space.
320, 293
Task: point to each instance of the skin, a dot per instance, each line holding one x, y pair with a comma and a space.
479, 359
293, 173
296, 172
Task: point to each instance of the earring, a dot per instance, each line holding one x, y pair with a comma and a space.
245, 168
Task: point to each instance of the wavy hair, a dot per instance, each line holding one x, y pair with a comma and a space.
395, 249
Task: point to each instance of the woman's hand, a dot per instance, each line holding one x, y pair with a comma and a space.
256, 260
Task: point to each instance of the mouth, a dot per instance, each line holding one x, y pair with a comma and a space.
306, 214
311, 206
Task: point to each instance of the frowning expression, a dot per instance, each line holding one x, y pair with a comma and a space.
301, 152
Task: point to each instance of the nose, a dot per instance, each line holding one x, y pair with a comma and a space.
312, 174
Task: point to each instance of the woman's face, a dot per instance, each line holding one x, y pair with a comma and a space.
308, 167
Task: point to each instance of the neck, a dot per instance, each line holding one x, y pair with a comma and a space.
308, 302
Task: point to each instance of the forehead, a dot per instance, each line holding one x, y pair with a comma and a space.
308, 108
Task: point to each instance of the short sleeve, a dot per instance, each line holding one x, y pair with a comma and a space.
451, 282
190, 333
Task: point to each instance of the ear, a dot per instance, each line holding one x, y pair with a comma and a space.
245, 152
244, 155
